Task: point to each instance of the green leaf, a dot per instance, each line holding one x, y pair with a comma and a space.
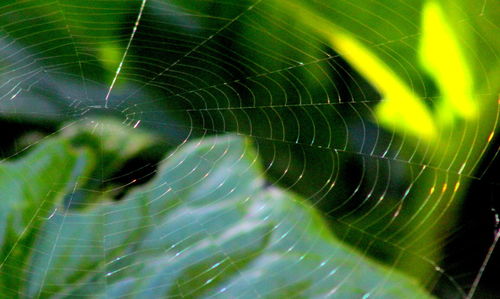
205, 226
30, 190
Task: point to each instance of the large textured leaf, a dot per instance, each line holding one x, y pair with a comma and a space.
205, 226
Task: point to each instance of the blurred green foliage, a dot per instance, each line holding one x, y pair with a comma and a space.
204, 233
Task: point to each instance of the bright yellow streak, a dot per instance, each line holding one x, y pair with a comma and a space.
491, 136
401, 108
441, 56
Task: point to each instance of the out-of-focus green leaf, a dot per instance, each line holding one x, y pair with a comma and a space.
67, 251
205, 226
31, 191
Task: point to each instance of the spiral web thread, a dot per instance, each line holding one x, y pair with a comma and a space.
285, 89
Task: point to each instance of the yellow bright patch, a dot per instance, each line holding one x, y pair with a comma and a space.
442, 57
401, 109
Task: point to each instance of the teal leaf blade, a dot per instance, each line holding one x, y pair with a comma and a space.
205, 226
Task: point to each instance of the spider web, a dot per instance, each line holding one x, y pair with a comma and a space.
186, 70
